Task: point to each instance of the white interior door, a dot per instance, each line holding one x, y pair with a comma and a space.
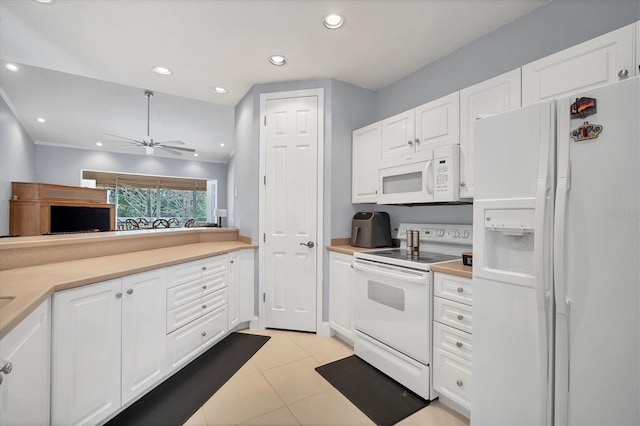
291, 203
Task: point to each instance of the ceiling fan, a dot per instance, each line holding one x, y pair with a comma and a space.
147, 141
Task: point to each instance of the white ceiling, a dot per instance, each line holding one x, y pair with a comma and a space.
88, 62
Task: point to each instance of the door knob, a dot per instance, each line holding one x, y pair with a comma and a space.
309, 244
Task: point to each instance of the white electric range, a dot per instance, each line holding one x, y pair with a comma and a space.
393, 299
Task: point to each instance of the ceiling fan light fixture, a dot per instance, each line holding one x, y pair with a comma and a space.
333, 21
12, 67
220, 90
277, 60
162, 70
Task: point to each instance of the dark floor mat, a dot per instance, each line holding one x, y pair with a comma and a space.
381, 398
175, 400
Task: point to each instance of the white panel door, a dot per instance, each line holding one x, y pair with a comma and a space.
398, 134
290, 212
144, 312
499, 94
599, 61
438, 122
365, 161
86, 356
24, 392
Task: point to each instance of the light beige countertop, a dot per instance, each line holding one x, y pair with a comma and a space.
28, 286
455, 267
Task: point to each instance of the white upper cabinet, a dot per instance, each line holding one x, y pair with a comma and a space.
493, 96
365, 159
599, 61
398, 134
438, 123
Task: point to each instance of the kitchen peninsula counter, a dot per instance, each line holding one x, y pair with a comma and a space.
30, 281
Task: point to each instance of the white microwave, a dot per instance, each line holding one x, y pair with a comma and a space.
431, 176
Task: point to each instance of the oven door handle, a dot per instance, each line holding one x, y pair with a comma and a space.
418, 278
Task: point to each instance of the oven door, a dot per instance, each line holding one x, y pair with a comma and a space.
392, 305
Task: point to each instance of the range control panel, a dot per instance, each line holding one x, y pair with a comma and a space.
452, 234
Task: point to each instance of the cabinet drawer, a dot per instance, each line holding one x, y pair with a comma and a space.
453, 287
193, 310
455, 341
451, 313
190, 271
184, 344
194, 290
452, 377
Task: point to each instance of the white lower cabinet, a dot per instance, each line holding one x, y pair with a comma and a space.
340, 294
241, 287
452, 343
24, 354
108, 346
198, 307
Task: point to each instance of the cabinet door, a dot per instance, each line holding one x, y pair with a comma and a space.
241, 287
24, 392
438, 122
365, 158
143, 332
602, 60
86, 353
340, 295
398, 134
499, 94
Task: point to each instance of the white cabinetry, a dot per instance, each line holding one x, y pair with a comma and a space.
107, 346
241, 287
452, 338
197, 307
365, 158
24, 391
599, 61
428, 126
340, 294
499, 94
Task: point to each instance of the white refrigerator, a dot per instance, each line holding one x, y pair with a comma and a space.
556, 275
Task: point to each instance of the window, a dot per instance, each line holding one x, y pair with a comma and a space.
153, 197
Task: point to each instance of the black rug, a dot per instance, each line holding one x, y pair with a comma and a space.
381, 398
175, 400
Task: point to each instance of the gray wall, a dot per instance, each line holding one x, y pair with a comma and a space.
17, 162
548, 29
63, 166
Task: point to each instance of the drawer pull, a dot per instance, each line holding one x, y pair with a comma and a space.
459, 383
459, 344
460, 289
460, 317
204, 333
204, 268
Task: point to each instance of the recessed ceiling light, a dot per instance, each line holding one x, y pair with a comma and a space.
40, 120
221, 144
278, 60
195, 154
162, 70
98, 143
12, 67
333, 21
220, 90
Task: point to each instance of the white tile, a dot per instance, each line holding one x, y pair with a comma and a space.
297, 380
241, 399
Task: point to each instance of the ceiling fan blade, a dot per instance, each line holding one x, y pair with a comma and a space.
172, 142
175, 147
122, 137
170, 150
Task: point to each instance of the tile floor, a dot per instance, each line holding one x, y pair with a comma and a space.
279, 386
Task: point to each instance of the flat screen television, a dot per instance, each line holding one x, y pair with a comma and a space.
79, 219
